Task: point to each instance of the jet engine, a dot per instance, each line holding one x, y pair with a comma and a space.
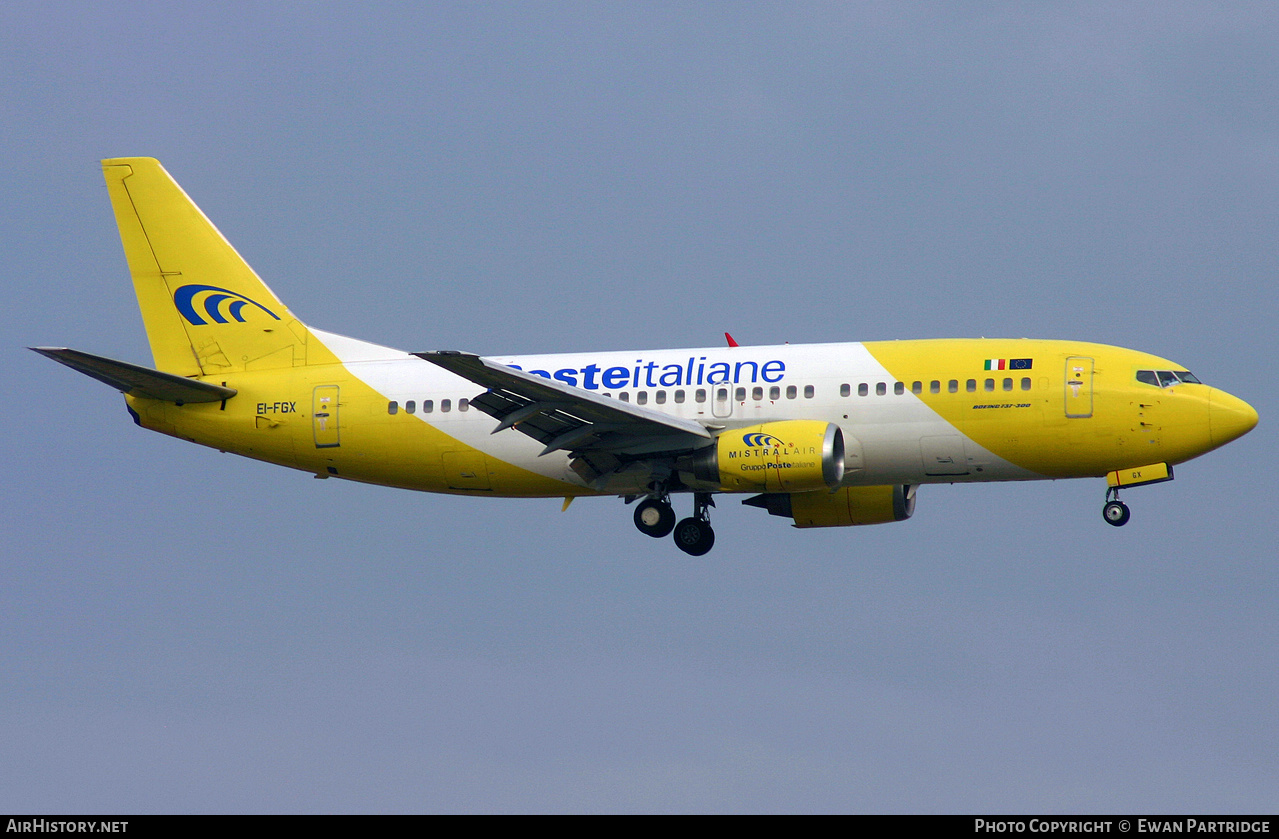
843, 508
784, 456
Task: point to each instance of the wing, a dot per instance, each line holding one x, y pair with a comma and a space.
598, 432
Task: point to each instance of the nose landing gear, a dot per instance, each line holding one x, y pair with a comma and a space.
1115, 512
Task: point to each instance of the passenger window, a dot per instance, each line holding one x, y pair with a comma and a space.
624, 396
427, 406
934, 386
445, 405
808, 391
679, 397
899, 388
844, 390
757, 393
699, 395
740, 395
464, 404
1025, 383
791, 392
972, 385
641, 397
863, 389
881, 389
953, 386
916, 388
393, 407
774, 393
1008, 384
660, 397
990, 384
410, 406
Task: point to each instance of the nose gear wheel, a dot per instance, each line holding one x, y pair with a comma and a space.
1116, 512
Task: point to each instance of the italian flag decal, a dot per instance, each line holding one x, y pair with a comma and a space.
1009, 363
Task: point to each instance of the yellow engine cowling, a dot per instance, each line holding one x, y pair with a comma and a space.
844, 508
785, 456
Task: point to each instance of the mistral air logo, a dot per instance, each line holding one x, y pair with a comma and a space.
221, 305
769, 452
767, 441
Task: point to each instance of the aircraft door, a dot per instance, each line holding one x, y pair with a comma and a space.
721, 401
324, 417
1078, 387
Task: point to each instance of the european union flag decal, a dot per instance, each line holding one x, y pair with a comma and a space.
1009, 363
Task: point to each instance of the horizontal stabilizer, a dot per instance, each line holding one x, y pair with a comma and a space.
137, 381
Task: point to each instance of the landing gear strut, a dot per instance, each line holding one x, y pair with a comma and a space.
1115, 512
694, 535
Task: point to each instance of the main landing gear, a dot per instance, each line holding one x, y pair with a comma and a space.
654, 517
694, 536
1115, 512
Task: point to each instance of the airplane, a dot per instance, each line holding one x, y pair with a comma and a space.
827, 435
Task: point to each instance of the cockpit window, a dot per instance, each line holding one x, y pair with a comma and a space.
1166, 378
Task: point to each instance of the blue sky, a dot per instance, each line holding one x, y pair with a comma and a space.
184, 631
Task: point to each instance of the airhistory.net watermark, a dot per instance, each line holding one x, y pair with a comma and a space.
62, 826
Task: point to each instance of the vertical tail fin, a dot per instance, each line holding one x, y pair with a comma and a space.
205, 310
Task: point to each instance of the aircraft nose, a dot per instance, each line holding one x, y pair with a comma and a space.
1229, 417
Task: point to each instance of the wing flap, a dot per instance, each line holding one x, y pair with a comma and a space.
137, 381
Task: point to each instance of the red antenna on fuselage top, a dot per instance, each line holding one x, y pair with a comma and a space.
731, 342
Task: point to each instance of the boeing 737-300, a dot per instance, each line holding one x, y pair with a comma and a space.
827, 435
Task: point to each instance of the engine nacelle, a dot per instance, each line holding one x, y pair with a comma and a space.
785, 456
843, 508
